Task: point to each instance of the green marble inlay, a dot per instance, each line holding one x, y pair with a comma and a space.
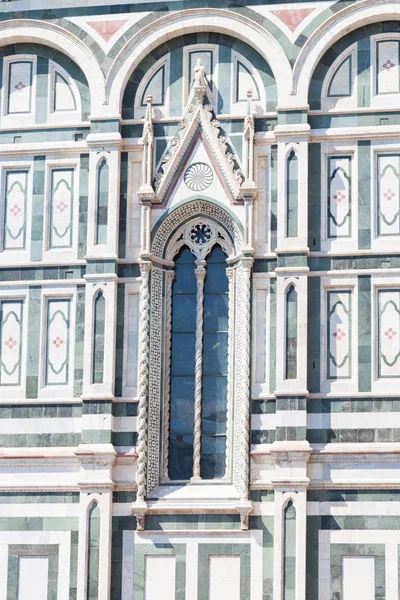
119, 357
105, 126
40, 411
313, 334
338, 551
93, 552
83, 204
292, 117
291, 403
284, 434
291, 333
364, 334
292, 195
42, 89
142, 551
272, 334
79, 340
15, 552
314, 196
208, 550
37, 208
353, 405
364, 194
353, 496
353, 436
32, 365
364, 72
99, 338
289, 551
103, 174
39, 498
123, 205
292, 260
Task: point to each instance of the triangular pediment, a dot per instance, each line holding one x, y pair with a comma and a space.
199, 125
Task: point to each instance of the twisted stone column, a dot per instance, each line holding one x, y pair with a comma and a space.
229, 399
145, 268
169, 278
200, 276
244, 373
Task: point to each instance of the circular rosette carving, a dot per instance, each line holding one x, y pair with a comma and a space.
200, 234
198, 177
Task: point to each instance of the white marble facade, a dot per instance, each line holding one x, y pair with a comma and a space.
199, 300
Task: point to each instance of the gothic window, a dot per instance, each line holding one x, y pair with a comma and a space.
199, 360
194, 344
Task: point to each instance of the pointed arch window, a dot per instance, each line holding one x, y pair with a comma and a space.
199, 360
199, 289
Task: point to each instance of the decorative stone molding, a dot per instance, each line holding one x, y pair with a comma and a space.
169, 278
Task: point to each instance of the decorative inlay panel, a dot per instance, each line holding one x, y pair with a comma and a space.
58, 340
387, 67
15, 210
62, 184
20, 87
339, 334
339, 196
388, 192
388, 333
10, 342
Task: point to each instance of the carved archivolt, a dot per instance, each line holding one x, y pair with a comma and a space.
188, 211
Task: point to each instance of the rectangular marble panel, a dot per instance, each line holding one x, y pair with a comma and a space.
339, 196
387, 67
20, 87
33, 577
58, 339
61, 208
15, 210
389, 333
358, 577
11, 342
388, 194
224, 580
339, 334
159, 578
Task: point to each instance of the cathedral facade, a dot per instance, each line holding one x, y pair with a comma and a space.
199, 300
